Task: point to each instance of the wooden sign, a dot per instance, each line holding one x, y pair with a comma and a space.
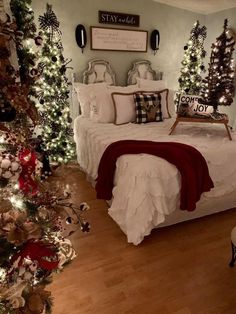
118, 39
118, 18
190, 105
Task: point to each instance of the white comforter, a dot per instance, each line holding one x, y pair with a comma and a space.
147, 187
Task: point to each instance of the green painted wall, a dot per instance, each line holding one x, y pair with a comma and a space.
174, 26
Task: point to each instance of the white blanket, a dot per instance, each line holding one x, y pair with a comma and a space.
147, 187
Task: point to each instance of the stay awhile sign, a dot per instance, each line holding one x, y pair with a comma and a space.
118, 18
190, 105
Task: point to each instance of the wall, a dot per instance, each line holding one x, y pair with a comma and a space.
214, 24
174, 26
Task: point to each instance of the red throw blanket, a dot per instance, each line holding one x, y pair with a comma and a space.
195, 178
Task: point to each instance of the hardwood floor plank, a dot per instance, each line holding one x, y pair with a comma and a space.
181, 269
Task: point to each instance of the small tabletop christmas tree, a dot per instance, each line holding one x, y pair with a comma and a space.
218, 87
192, 65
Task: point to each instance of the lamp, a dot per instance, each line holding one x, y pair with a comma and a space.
155, 40
80, 36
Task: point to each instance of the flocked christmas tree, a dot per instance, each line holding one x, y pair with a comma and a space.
190, 80
33, 216
53, 92
218, 86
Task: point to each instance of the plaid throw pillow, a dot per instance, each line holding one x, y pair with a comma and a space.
148, 107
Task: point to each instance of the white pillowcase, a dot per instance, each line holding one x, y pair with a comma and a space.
155, 86
124, 107
150, 84
123, 89
102, 106
85, 94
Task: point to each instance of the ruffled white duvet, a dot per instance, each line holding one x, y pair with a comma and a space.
147, 187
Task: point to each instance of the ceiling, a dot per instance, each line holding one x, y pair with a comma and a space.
201, 6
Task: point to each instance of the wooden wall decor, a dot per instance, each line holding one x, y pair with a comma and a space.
118, 39
118, 18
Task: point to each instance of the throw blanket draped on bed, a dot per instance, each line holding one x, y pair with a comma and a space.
195, 178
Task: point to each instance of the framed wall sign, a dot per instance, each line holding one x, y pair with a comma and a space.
118, 39
118, 18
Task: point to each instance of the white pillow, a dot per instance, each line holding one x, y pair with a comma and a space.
123, 89
156, 86
85, 96
124, 107
150, 84
102, 108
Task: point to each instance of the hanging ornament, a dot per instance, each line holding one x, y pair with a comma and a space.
185, 47
39, 39
33, 72
27, 183
54, 59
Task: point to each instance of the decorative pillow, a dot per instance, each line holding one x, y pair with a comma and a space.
102, 108
85, 96
148, 107
151, 84
164, 101
156, 86
124, 107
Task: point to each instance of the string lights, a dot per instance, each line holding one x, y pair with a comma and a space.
190, 79
53, 92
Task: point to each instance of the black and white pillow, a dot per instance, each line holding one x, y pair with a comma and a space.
148, 107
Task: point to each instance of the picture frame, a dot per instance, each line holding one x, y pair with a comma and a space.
117, 39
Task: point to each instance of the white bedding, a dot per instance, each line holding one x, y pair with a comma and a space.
147, 187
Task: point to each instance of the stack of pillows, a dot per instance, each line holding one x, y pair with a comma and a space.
146, 101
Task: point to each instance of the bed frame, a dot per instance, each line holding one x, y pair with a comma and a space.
99, 70
142, 69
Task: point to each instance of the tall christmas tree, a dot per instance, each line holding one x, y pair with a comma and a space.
190, 79
24, 17
53, 92
33, 216
218, 86
26, 43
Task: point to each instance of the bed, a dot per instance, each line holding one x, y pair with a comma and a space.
147, 188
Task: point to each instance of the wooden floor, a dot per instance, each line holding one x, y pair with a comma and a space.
181, 269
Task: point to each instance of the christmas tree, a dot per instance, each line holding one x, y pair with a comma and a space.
218, 86
53, 92
190, 79
33, 220
24, 17
26, 41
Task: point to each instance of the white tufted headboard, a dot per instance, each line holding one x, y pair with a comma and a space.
97, 71
142, 69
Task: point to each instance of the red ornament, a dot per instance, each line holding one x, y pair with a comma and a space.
27, 182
